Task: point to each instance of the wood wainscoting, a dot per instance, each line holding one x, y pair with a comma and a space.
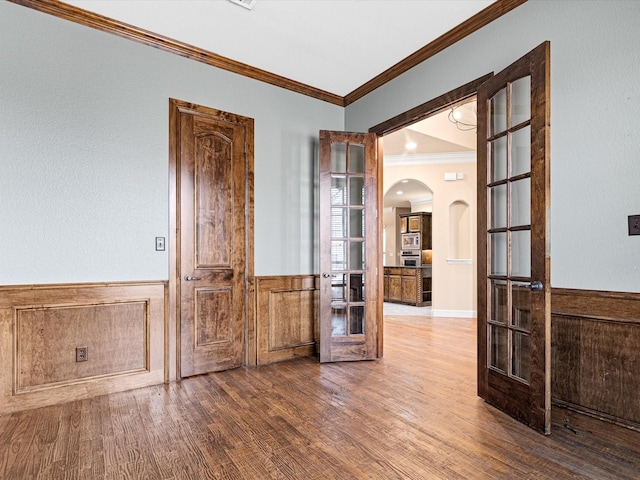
595, 345
286, 317
122, 325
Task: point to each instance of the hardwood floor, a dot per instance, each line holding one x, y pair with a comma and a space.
412, 415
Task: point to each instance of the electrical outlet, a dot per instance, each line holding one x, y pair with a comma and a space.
82, 354
160, 244
634, 224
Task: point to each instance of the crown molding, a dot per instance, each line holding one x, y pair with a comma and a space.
429, 159
479, 20
146, 37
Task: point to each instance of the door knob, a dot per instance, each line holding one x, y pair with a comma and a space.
189, 278
535, 286
326, 275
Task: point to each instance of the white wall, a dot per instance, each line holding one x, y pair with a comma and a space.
84, 154
595, 139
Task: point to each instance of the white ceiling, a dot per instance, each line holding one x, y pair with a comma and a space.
332, 45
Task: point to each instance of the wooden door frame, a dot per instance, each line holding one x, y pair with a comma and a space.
172, 302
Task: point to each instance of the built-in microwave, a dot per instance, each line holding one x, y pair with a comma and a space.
410, 241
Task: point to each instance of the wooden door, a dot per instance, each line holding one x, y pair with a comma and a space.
213, 170
351, 282
514, 319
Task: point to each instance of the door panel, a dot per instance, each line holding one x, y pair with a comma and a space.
514, 319
350, 284
213, 182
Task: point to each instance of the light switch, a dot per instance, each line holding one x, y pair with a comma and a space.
160, 244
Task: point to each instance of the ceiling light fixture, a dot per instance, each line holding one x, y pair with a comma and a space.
248, 4
464, 117
399, 192
410, 145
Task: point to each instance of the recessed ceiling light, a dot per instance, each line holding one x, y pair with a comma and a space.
399, 192
410, 145
405, 181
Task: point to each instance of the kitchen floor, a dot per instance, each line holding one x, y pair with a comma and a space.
397, 309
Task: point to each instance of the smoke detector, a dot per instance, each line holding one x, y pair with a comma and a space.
248, 4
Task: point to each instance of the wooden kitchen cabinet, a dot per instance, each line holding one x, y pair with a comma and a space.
418, 222
408, 285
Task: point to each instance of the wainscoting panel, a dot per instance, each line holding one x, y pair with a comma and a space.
595, 345
285, 317
121, 325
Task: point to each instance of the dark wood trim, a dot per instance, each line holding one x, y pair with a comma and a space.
429, 108
284, 328
140, 35
479, 20
595, 347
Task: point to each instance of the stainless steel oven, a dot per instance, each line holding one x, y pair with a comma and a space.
410, 258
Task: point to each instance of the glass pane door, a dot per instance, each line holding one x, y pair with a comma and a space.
348, 246
509, 215
347, 239
514, 315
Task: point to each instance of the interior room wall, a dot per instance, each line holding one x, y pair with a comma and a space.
595, 95
454, 285
84, 154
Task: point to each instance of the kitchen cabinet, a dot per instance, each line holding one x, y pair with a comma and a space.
418, 222
408, 285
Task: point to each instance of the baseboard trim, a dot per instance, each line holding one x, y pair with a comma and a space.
454, 313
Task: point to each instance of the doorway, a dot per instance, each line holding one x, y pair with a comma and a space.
430, 166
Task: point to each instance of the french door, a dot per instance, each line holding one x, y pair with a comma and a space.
350, 283
514, 324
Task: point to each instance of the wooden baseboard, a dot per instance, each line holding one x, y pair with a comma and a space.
595, 349
285, 317
122, 325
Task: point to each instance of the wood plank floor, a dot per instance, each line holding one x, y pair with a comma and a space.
412, 415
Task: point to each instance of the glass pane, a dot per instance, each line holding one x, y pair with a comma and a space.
339, 157
339, 288
338, 190
521, 151
356, 251
338, 320
356, 194
356, 320
338, 222
520, 355
499, 112
338, 255
499, 206
521, 202
499, 159
520, 101
356, 226
498, 251
356, 286
521, 305
356, 158
498, 347
521, 253
498, 302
